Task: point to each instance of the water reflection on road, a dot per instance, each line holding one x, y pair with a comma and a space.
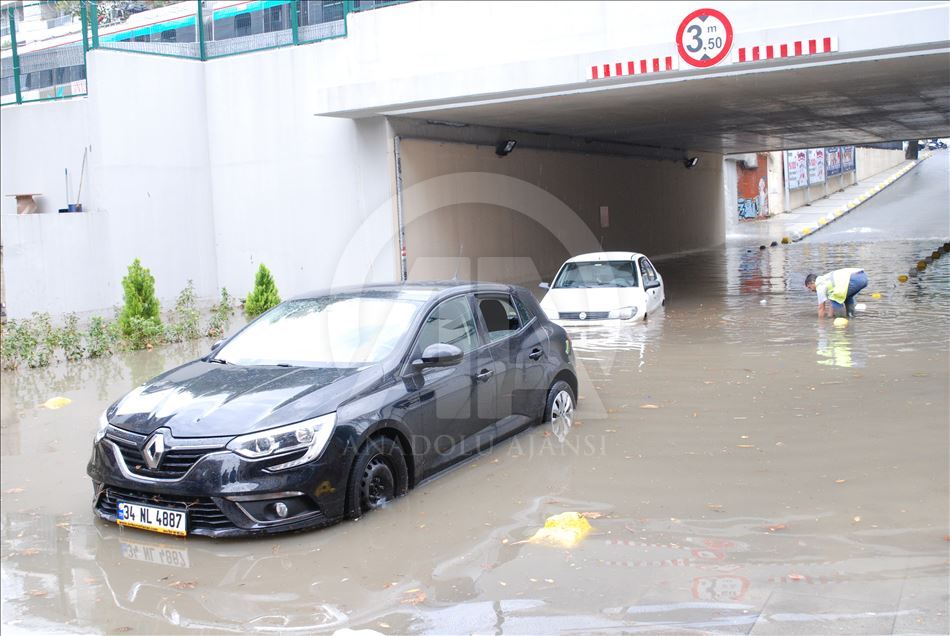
748, 468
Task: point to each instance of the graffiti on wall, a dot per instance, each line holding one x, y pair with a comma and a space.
752, 187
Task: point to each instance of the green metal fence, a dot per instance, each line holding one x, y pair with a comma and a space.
44, 44
42, 55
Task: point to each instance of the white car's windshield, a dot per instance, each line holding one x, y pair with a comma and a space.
338, 331
597, 274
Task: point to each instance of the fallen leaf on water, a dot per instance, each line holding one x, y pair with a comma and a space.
56, 403
796, 577
383, 625
744, 446
90, 580
415, 600
183, 585
649, 406
921, 374
592, 515
64, 524
565, 530
29, 552
778, 526
840, 481
37, 593
714, 506
13, 491
549, 580
856, 519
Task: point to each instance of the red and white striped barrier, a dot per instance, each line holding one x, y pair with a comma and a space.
634, 67
796, 48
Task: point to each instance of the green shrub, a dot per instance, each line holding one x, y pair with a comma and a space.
221, 315
140, 300
102, 337
185, 317
16, 343
70, 339
46, 339
144, 333
264, 295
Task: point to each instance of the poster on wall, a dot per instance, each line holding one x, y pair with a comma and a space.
816, 165
832, 161
847, 158
752, 187
796, 169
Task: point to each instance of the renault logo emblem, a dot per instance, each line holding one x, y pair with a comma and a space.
153, 450
583, 315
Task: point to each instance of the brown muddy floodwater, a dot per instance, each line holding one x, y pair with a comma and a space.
749, 469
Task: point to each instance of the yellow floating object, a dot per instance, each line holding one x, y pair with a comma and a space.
935, 255
822, 221
565, 530
902, 278
785, 240
841, 322
56, 403
921, 265
875, 295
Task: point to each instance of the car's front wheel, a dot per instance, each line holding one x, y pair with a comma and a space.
379, 475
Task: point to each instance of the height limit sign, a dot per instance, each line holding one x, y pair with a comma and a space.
704, 38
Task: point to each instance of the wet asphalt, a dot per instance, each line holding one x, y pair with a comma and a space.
745, 468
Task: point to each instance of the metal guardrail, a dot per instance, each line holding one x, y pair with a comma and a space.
38, 64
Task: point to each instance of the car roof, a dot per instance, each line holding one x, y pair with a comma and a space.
604, 256
420, 290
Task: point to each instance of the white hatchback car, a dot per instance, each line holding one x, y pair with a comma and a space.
604, 288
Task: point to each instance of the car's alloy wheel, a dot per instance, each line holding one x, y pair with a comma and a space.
562, 414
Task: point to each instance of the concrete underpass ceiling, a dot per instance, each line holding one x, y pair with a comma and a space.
857, 102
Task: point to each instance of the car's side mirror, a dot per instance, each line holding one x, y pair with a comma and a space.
544, 285
217, 344
650, 284
438, 354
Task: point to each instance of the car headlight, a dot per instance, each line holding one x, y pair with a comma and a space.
103, 427
625, 313
312, 435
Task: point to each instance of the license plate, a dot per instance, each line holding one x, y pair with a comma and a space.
157, 554
151, 518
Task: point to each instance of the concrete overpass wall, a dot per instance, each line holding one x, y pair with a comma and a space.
145, 190
517, 218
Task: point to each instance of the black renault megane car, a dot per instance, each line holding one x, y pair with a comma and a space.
328, 406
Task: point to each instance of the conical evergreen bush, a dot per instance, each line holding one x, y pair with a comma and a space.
264, 295
139, 296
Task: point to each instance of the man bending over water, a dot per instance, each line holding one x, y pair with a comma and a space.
836, 291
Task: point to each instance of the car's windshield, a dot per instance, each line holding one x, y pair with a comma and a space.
597, 274
337, 330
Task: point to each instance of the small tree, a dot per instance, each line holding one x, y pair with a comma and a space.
264, 295
140, 300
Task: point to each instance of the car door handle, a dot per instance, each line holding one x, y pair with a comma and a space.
484, 374
536, 353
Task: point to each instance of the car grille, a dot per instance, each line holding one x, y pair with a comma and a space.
590, 315
202, 511
175, 462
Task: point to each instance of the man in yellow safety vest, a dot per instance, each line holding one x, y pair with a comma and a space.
836, 291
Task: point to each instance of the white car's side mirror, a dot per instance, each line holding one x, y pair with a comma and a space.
544, 286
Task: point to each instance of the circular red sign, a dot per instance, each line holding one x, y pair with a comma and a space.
708, 36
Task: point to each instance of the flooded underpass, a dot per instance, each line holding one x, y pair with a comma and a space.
744, 466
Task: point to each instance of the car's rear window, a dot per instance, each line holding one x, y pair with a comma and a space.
597, 274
